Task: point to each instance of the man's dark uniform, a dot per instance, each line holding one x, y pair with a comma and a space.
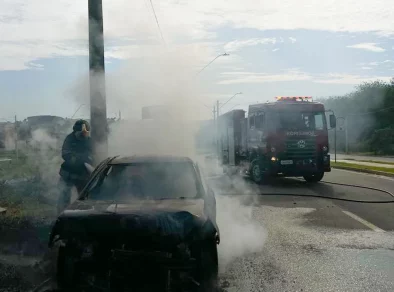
76, 151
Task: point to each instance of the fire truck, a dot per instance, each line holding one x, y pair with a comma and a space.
287, 137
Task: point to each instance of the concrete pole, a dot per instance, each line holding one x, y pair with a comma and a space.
98, 105
215, 135
217, 131
16, 140
346, 135
335, 143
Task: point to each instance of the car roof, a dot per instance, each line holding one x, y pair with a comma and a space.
149, 159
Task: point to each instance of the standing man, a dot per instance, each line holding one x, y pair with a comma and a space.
76, 151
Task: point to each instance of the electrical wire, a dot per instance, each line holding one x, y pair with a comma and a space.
157, 22
230, 99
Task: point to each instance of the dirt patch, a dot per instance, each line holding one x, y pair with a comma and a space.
24, 255
11, 279
24, 236
24, 233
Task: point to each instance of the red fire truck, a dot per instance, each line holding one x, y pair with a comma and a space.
287, 137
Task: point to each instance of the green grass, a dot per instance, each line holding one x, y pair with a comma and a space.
363, 167
372, 161
32, 198
17, 169
28, 164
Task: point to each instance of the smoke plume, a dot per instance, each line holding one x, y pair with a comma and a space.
169, 78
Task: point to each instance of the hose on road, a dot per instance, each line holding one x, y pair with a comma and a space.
343, 199
331, 198
358, 186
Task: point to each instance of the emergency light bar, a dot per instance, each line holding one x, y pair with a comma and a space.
294, 98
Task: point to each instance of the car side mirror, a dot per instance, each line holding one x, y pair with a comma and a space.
333, 122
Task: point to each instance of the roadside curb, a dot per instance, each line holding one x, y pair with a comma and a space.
365, 171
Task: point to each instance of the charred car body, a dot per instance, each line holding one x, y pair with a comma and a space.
140, 224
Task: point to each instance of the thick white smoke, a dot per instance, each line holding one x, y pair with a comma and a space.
241, 235
169, 78
43, 154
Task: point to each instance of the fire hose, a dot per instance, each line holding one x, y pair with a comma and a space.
343, 199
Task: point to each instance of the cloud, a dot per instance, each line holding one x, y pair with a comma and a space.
293, 40
252, 77
297, 75
240, 44
386, 63
366, 68
64, 21
349, 79
275, 50
368, 47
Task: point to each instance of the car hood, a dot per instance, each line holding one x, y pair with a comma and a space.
88, 208
122, 221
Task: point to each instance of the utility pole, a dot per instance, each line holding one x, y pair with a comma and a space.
217, 130
98, 106
335, 143
214, 127
346, 135
16, 140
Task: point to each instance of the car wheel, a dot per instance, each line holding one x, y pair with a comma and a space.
209, 267
314, 177
66, 274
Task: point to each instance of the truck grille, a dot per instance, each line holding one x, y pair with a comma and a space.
297, 147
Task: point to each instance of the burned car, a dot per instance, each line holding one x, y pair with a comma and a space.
140, 224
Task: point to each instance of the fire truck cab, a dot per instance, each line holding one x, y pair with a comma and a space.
288, 137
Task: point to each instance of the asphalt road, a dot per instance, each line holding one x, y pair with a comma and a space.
289, 243
271, 242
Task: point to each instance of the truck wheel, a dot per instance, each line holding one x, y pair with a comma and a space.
314, 177
256, 173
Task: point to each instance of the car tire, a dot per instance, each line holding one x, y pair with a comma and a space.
256, 172
209, 267
65, 271
313, 178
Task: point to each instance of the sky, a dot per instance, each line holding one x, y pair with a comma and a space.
288, 47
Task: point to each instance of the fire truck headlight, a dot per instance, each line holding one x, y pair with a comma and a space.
325, 148
273, 149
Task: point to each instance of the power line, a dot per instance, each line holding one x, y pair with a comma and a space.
157, 21
230, 99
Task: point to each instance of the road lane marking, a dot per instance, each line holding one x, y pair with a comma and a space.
362, 221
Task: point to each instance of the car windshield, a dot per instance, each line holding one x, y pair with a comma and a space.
147, 181
290, 120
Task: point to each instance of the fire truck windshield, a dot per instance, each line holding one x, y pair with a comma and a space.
289, 120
